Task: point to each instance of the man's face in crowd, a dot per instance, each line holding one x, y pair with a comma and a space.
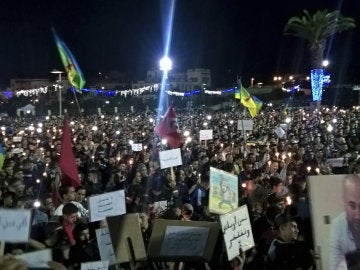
8, 202
289, 231
352, 204
84, 236
71, 195
48, 203
248, 167
71, 219
18, 186
80, 195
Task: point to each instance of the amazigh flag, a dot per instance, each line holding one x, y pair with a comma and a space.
258, 104
168, 128
2, 157
67, 163
237, 93
251, 102
72, 68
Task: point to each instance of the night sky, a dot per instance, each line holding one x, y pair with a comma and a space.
232, 38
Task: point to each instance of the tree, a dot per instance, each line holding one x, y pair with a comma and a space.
316, 29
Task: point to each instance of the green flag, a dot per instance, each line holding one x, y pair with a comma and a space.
72, 68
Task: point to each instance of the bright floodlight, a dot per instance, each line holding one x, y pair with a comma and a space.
325, 63
165, 64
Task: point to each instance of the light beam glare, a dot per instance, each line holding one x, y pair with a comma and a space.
168, 22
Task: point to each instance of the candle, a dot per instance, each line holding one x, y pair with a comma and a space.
288, 200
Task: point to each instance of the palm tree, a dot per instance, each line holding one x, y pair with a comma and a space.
316, 29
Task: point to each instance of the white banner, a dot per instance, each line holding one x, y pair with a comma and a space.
99, 265
245, 124
170, 158
206, 134
136, 147
105, 245
14, 225
107, 204
237, 231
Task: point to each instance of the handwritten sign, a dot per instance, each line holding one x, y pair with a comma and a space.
237, 231
98, 265
17, 139
107, 204
206, 134
37, 259
105, 245
184, 241
170, 158
136, 147
223, 195
335, 162
245, 125
14, 225
279, 132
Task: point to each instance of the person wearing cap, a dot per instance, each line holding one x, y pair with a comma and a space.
285, 251
345, 229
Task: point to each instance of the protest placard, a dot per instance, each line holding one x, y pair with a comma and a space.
105, 245
280, 132
236, 228
107, 204
176, 240
136, 147
127, 239
98, 265
335, 162
17, 139
223, 195
170, 158
184, 241
14, 225
245, 124
37, 259
206, 134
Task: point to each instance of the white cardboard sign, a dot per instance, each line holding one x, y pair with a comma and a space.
98, 265
14, 225
105, 245
136, 147
236, 228
170, 158
107, 204
37, 259
245, 124
206, 134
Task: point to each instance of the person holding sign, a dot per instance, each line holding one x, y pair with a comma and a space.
286, 252
84, 250
345, 230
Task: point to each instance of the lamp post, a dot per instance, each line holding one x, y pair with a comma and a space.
165, 66
59, 72
287, 121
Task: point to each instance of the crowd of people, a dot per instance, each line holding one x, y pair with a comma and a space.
272, 162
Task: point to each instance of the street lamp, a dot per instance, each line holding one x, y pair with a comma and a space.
325, 63
59, 72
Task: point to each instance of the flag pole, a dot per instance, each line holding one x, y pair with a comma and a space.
77, 103
242, 120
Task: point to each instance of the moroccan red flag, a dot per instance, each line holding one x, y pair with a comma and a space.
168, 128
68, 165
